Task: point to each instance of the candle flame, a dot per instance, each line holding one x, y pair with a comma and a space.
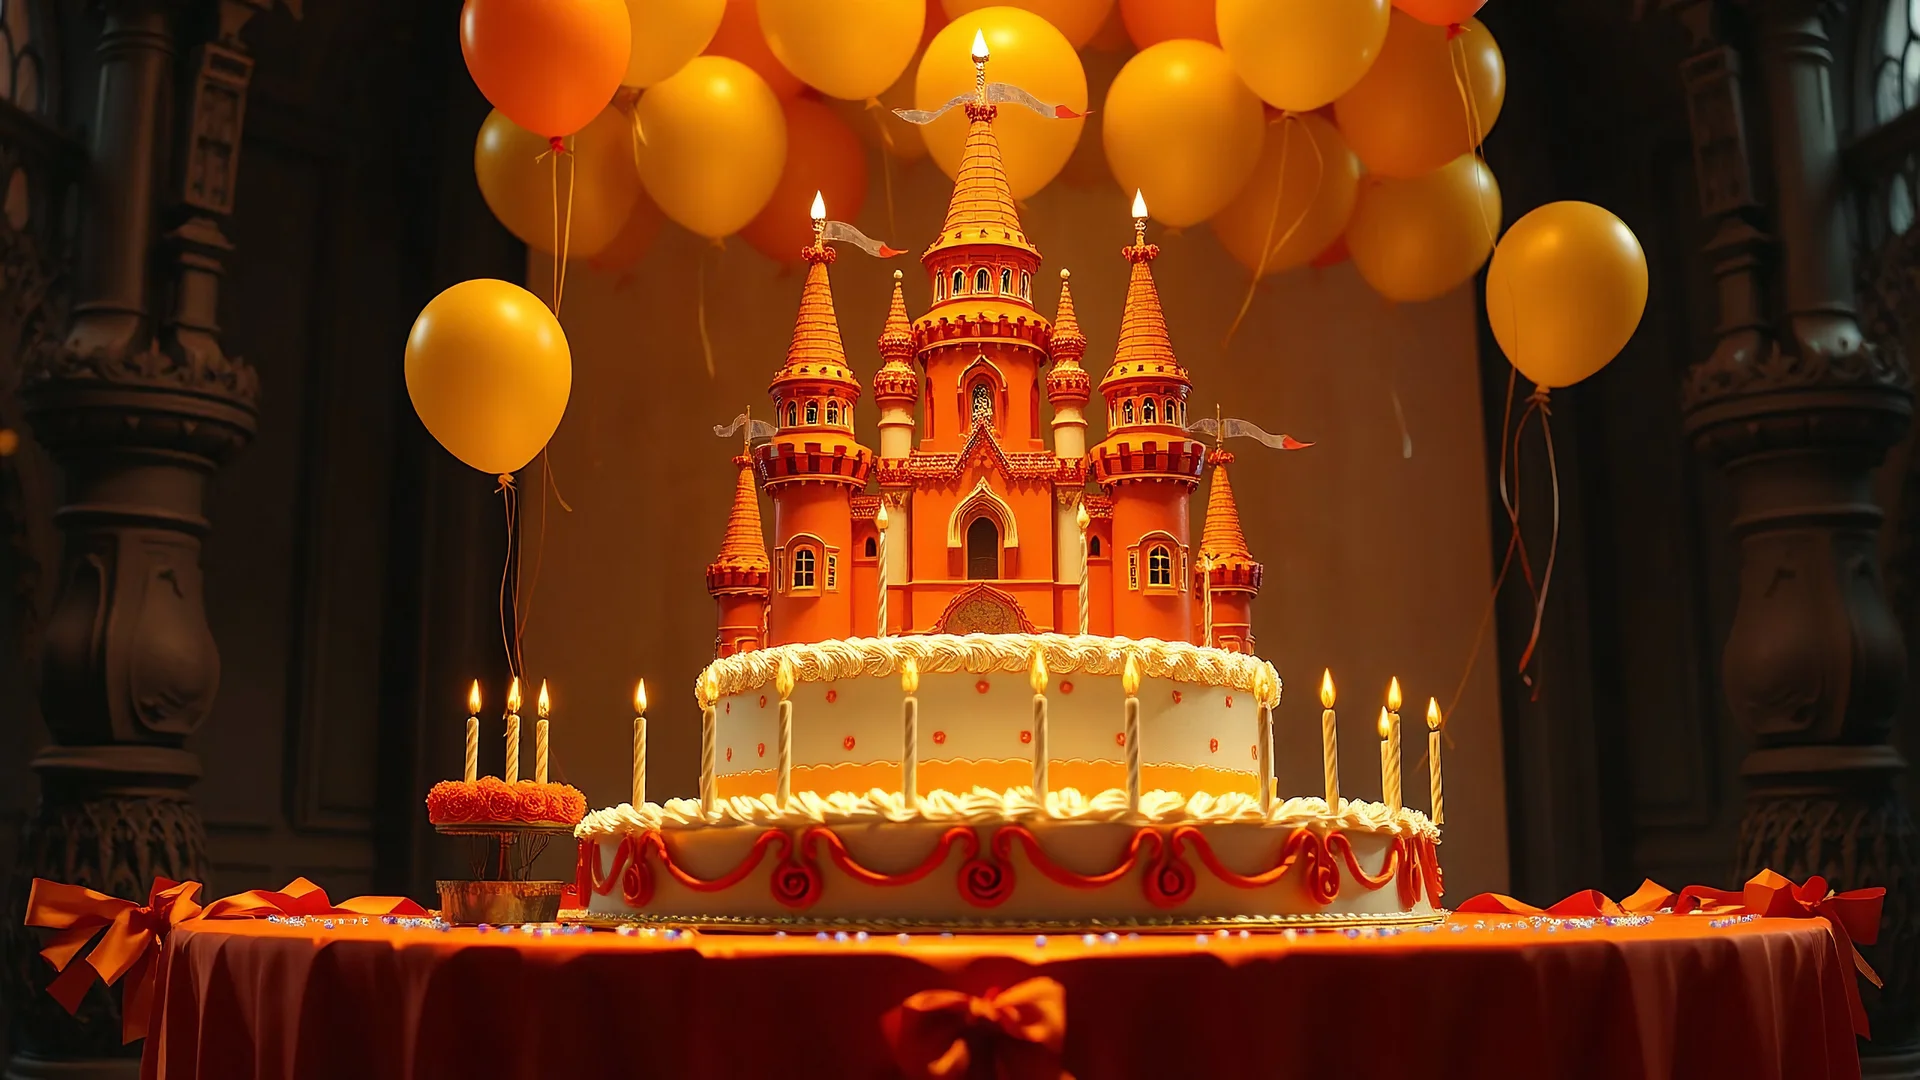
709, 688
1386, 725
1082, 519
1037, 674
473, 699
819, 207
880, 520
1433, 715
979, 46
1130, 676
513, 695
783, 679
1139, 204
909, 677
1393, 695
546, 703
1326, 688
640, 698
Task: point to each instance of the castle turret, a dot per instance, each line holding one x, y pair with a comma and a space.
738, 579
1226, 568
896, 387
1069, 388
812, 466
1148, 463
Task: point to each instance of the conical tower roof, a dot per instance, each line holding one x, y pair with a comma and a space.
1068, 381
1222, 539
742, 564
981, 210
1145, 350
896, 380
816, 354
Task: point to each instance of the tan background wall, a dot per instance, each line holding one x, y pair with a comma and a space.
1377, 563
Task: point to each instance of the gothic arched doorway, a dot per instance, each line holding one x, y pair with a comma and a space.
983, 550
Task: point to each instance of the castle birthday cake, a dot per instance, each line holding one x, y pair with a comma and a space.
981, 680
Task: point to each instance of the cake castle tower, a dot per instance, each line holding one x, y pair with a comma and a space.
966, 517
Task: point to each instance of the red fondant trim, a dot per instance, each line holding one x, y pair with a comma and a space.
1144, 837
819, 835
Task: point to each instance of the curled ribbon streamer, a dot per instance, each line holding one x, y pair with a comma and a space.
1016, 1033
1851, 917
130, 934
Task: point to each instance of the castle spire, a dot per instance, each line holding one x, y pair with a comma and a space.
896, 380
743, 548
1145, 348
1223, 541
1067, 382
981, 210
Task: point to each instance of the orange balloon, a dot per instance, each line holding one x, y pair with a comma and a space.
1566, 291
633, 240
880, 128
1440, 12
1079, 20
1314, 198
520, 186
1335, 254
1417, 239
549, 65
1405, 117
739, 37
936, 22
1150, 22
823, 155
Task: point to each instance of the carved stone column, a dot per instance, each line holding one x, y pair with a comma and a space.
140, 406
1798, 408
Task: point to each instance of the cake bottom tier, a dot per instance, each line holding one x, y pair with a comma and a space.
1007, 875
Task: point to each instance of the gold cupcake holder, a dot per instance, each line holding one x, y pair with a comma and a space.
506, 897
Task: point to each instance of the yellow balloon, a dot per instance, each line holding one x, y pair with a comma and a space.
1180, 127
1301, 54
667, 34
1315, 199
844, 48
489, 373
1407, 117
518, 182
715, 143
1079, 20
1566, 291
1417, 239
1027, 52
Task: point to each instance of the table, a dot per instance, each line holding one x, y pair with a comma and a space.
1680, 996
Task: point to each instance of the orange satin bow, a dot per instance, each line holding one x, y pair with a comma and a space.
1011, 1034
130, 934
1851, 917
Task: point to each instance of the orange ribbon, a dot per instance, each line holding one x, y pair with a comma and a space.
130, 934
1011, 1034
1851, 917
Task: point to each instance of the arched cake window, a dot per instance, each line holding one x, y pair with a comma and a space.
982, 281
833, 411
959, 282
982, 402
1146, 411
813, 413
983, 550
1093, 547
1026, 282
1173, 412
873, 548
1006, 281
939, 288
1126, 411
803, 568
1160, 566
793, 414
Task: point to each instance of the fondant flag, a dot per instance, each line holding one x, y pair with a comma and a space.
844, 233
997, 93
1231, 428
756, 429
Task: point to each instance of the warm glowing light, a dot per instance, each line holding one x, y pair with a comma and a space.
979, 46
1393, 695
1139, 204
1386, 725
819, 207
1082, 519
640, 698
1130, 676
1326, 688
473, 698
1433, 715
909, 677
880, 519
513, 695
709, 688
783, 679
1037, 675
546, 703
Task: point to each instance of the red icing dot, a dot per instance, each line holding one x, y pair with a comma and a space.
1213, 746
1254, 751
983, 686
847, 742
832, 696
763, 701
729, 753
939, 738
1176, 697
729, 708
1120, 738
761, 749
1026, 737
1229, 701
1066, 688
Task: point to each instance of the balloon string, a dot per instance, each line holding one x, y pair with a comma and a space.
700, 311
1268, 246
1538, 402
886, 161
509, 634
1462, 70
566, 234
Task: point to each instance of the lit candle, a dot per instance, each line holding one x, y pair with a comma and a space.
1130, 685
1393, 737
709, 696
1206, 599
1263, 738
1389, 789
880, 522
640, 744
540, 736
1433, 760
472, 771
1329, 742
783, 683
1037, 675
1083, 521
511, 771
910, 732
819, 225
1139, 217
980, 66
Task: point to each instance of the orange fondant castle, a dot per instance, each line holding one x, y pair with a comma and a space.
983, 517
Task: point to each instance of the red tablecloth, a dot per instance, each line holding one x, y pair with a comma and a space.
1681, 996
